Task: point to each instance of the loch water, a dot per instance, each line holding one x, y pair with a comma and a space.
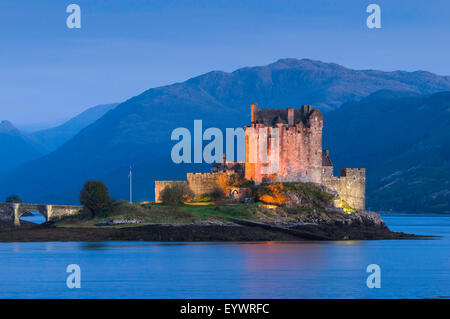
335, 269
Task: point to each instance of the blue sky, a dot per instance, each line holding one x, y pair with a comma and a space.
49, 73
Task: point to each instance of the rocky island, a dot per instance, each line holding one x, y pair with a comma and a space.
283, 212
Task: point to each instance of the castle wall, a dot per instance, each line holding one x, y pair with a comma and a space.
160, 185
327, 171
199, 183
351, 186
202, 183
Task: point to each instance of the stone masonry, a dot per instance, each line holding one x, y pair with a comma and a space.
298, 157
199, 183
160, 185
351, 186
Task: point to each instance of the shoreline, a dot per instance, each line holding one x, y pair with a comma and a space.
199, 233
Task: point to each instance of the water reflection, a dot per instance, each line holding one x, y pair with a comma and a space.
97, 246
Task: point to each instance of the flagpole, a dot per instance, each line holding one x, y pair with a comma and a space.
131, 186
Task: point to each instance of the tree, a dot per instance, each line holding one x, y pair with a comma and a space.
217, 193
13, 199
95, 197
176, 194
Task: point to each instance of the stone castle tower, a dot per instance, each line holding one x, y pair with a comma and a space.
297, 154
285, 145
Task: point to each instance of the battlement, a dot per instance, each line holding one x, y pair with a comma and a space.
353, 172
193, 175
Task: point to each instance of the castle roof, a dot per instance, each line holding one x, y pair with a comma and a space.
278, 119
270, 117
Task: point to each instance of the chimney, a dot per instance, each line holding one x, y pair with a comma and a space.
290, 112
254, 107
306, 109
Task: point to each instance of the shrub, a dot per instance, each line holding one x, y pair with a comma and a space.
310, 190
95, 197
204, 198
217, 194
224, 181
272, 193
13, 199
227, 181
176, 194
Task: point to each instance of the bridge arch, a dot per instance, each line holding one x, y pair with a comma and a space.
20, 209
11, 212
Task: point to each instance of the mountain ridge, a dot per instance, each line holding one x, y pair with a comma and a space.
16, 147
52, 138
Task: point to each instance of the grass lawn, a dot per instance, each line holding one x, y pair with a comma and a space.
310, 203
153, 213
240, 211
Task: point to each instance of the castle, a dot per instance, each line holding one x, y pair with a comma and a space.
283, 145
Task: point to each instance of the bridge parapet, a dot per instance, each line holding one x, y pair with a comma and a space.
55, 212
11, 212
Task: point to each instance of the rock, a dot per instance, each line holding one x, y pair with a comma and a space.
118, 222
372, 218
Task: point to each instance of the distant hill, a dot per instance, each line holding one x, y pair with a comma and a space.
52, 138
404, 142
16, 148
138, 131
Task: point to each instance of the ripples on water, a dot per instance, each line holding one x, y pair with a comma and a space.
410, 268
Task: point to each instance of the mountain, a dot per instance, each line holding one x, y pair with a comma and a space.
138, 131
16, 147
325, 85
404, 142
51, 139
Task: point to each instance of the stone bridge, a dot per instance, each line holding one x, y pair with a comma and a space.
11, 212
